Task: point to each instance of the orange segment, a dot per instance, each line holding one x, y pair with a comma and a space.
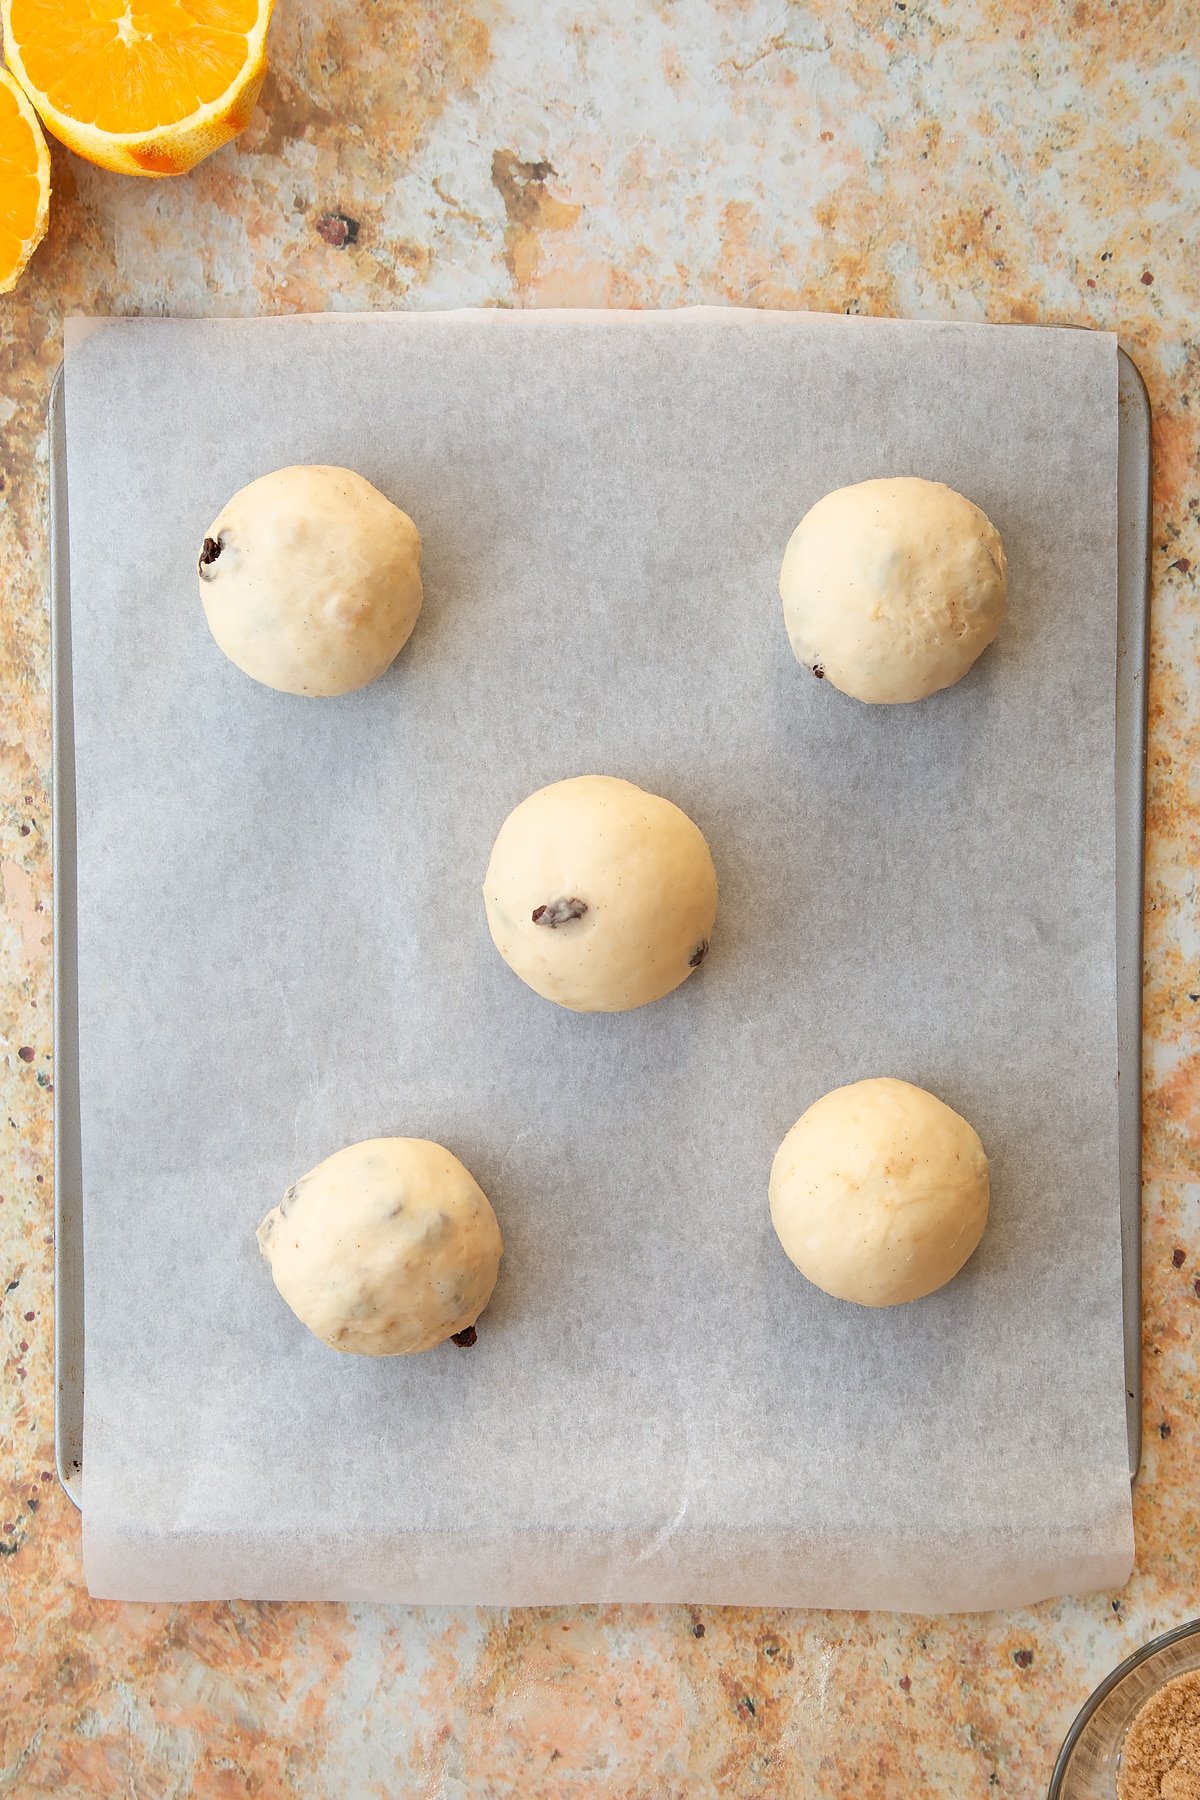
143, 86
24, 182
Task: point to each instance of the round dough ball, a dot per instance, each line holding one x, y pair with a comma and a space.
311, 580
879, 1193
891, 589
601, 897
386, 1248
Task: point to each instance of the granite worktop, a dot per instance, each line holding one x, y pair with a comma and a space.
986, 160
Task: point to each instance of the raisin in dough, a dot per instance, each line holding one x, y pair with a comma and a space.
386, 1248
311, 580
892, 589
879, 1193
599, 896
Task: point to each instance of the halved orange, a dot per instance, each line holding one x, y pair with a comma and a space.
24, 182
146, 87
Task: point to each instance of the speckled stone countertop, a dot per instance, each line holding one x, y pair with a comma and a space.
993, 160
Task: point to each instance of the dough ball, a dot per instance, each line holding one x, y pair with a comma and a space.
879, 1193
311, 580
891, 589
601, 897
385, 1248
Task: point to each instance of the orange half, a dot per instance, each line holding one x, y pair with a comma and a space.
145, 87
24, 182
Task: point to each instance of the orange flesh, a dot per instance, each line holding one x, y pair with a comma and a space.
20, 192
132, 65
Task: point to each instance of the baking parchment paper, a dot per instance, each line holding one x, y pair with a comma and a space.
282, 949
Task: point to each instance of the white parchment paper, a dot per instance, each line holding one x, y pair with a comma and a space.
283, 949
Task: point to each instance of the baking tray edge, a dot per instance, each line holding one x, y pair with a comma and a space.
1133, 634
68, 1170
1133, 661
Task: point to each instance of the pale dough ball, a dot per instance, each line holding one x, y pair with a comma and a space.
311, 580
879, 1193
600, 896
385, 1248
891, 589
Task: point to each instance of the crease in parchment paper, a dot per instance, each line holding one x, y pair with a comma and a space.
282, 949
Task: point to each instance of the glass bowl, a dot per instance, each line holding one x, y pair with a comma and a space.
1089, 1759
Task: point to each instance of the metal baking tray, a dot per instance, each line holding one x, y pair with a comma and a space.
1133, 621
